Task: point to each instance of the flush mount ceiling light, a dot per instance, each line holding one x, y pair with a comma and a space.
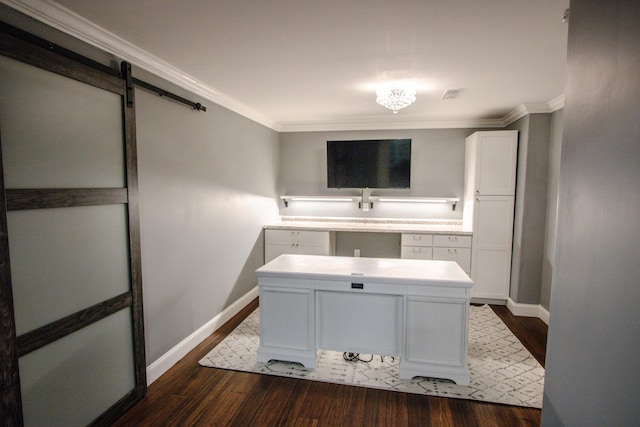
395, 99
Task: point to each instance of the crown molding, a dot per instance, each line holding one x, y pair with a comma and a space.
533, 108
556, 103
334, 126
62, 19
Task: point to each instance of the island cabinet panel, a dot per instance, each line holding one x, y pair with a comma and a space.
287, 324
373, 318
425, 317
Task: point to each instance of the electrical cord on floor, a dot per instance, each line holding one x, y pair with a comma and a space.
355, 357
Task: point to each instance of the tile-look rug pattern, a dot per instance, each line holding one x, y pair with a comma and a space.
502, 370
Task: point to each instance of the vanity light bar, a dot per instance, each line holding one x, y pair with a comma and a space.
452, 200
385, 199
287, 199
322, 199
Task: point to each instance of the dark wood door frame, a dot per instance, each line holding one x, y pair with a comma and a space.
38, 52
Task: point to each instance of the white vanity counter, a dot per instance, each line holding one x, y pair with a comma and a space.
370, 225
446, 240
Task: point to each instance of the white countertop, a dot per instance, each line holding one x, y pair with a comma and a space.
371, 225
409, 271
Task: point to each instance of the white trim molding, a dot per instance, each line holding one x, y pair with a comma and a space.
533, 108
528, 310
379, 123
173, 356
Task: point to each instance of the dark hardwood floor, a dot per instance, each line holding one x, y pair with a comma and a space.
189, 395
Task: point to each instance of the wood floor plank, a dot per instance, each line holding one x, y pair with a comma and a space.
314, 401
290, 414
494, 415
188, 394
440, 412
335, 405
531, 331
462, 412
419, 410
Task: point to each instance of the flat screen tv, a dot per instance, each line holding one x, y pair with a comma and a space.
374, 163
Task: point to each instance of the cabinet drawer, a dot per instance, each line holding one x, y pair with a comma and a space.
417, 239
460, 255
416, 252
357, 285
297, 236
452, 241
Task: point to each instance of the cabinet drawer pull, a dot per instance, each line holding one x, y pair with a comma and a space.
453, 251
357, 286
453, 238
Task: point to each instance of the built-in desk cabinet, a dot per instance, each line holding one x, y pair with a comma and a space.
300, 242
442, 247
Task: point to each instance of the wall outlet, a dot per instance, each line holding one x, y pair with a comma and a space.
356, 253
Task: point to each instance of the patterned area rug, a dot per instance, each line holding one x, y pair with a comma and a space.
502, 370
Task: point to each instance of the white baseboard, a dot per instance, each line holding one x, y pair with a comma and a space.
528, 310
170, 358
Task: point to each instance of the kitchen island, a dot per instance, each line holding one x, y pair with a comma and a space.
415, 309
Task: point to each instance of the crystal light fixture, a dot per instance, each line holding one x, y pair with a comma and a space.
395, 99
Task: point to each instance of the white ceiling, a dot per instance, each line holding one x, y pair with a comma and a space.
305, 65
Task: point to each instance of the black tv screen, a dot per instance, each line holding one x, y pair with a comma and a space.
376, 163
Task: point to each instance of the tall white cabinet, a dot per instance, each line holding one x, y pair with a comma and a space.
490, 178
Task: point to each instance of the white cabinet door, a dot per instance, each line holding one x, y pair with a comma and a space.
428, 342
495, 164
287, 325
451, 247
492, 240
460, 255
278, 242
491, 273
493, 222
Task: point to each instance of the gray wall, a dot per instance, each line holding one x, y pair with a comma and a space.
552, 208
437, 170
207, 186
592, 366
530, 209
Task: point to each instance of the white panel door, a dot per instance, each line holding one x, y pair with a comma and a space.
496, 162
492, 241
493, 222
491, 273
